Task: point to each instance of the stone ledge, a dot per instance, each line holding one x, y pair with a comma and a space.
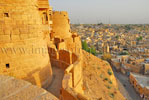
14, 89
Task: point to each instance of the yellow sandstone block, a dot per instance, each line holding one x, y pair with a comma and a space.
5, 38
15, 37
23, 36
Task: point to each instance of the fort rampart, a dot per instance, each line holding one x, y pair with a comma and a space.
70, 60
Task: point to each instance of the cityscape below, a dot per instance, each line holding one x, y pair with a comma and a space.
125, 47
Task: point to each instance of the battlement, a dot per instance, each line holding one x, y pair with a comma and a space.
60, 14
71, 63
43, 3
19, 2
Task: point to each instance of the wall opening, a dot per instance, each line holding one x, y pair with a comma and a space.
45, 18
56, 46
6, 15
68, 21
50, 15
7, 66
62, 40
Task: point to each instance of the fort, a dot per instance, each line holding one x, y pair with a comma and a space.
24, 25
46, 43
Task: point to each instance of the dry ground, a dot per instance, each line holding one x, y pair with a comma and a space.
99, 81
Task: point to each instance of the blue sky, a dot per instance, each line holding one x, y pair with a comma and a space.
105, 11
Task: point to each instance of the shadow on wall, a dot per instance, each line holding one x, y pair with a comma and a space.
53, 57
61, 58
40, 77
72, 81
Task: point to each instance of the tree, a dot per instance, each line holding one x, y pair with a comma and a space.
127, 27
117, 37
100, 24
93, 51
139, 38
84, 45
124, 53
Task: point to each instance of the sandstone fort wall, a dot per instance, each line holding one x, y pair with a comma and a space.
46, 40
21, 28
71, 63
61, 24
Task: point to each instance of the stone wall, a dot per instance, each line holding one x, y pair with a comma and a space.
67, 55
133, 68
61, 25
43, 4
23, 48
71, 63
72, 82
28, 46
45, 14
65, 58
74, 44
116, 64
14, 89
146, 69
19, 20
139, 87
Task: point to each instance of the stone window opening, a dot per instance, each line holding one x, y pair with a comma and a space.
45, 18
7, 66
62, 40
50, 15
68, 21
56, 46
6, 14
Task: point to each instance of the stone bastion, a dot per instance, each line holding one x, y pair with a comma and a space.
23, 50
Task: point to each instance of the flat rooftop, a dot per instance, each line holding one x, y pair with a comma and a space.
115, 60
142, 80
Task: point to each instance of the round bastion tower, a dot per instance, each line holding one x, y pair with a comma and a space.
23, 50
61, 25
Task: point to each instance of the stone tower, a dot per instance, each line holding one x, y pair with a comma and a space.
61, 25
23, 47
105, 48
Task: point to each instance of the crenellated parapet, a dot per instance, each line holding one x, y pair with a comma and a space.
42, 4
67, 55
72, 82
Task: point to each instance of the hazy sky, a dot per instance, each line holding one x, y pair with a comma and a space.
106, 11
